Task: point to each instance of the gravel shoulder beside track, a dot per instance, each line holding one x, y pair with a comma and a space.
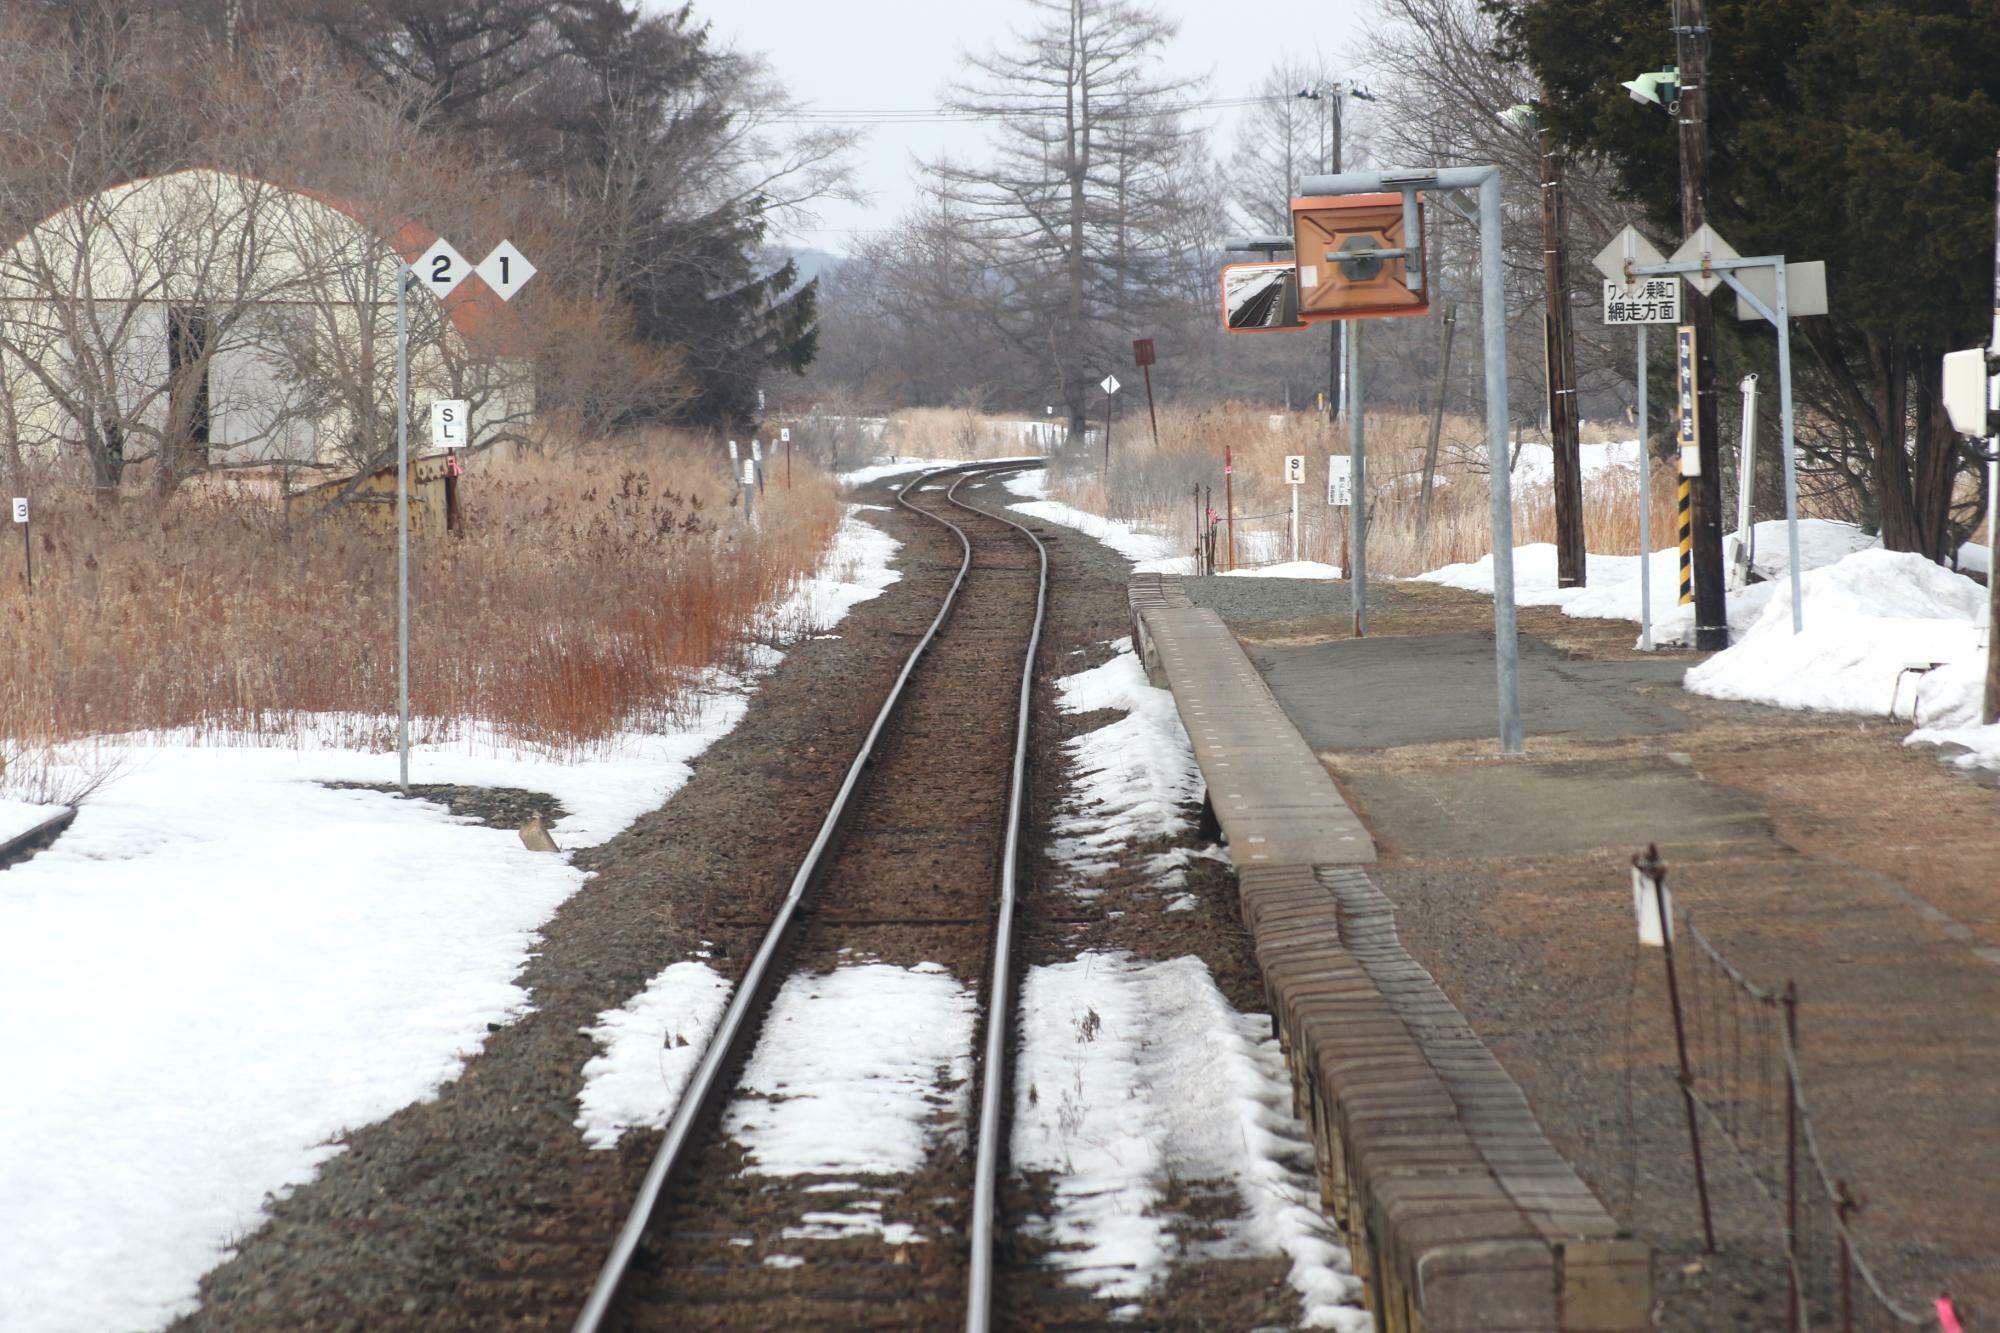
483, 1209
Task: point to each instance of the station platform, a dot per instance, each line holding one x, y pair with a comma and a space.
1459, 1213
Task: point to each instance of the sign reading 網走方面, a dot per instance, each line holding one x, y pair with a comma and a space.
1649, 301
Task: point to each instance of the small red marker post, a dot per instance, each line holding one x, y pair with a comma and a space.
1142, 357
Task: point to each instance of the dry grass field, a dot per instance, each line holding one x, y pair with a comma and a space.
1153, 488
583, 595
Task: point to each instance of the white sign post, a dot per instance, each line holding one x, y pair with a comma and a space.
439, 270
1339, 481
1110, 386
448, 422
1632, 300
27, 543
1295, 477
1763, 287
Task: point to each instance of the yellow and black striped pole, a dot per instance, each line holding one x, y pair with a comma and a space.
1687, 432
1687, 540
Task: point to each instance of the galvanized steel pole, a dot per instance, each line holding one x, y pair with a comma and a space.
1645, 511
1493, 315
403, 527
1784, 322
1357, 448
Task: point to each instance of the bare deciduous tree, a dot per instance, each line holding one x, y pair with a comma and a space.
1082, 186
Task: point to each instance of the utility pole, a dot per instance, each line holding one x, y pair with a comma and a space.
1711, 613
1561, 344
1990, 713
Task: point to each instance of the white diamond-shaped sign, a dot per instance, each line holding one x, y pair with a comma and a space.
441, 268
1110, 384
1626, 245
1705, 242
506, 270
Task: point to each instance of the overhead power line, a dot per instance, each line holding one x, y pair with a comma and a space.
948, 116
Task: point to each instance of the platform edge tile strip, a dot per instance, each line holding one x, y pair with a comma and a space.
1459, 1213
1269, 791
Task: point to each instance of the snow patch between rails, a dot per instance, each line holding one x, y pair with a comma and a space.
215, 1028
1148, 552
1132, 1075
1131, 779
859, 1071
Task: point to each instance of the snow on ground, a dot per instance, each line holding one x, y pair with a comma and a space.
1869, 619
1536, 463
1611, 588
852, 1071
1131, 779
902, 466
17, 817
1136, 1076
1148, 552
204, 1004
650, 1049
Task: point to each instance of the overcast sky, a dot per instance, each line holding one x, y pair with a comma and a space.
897, 55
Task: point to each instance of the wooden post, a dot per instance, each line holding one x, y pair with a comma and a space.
1437, 426
1711, 613
1561, 367
1991, 712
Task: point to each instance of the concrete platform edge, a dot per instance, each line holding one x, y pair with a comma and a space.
1460, 1215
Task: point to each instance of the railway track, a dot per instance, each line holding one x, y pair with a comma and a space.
755, 1212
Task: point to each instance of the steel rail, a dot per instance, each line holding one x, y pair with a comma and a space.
1000, 989
708, 1086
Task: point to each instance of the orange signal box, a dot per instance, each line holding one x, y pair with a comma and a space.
1364, 284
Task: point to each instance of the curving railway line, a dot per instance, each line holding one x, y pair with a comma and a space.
914, 868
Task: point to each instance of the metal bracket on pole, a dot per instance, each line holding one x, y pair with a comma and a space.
1268, 246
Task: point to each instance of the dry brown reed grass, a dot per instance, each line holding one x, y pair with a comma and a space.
1153, 488
584, 596
951, 432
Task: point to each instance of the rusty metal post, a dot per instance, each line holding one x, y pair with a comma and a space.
1197, 529
1204, 526
1656, 871
1791, 1003
1147, 371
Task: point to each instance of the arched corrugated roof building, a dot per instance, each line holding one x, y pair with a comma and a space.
206, 315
